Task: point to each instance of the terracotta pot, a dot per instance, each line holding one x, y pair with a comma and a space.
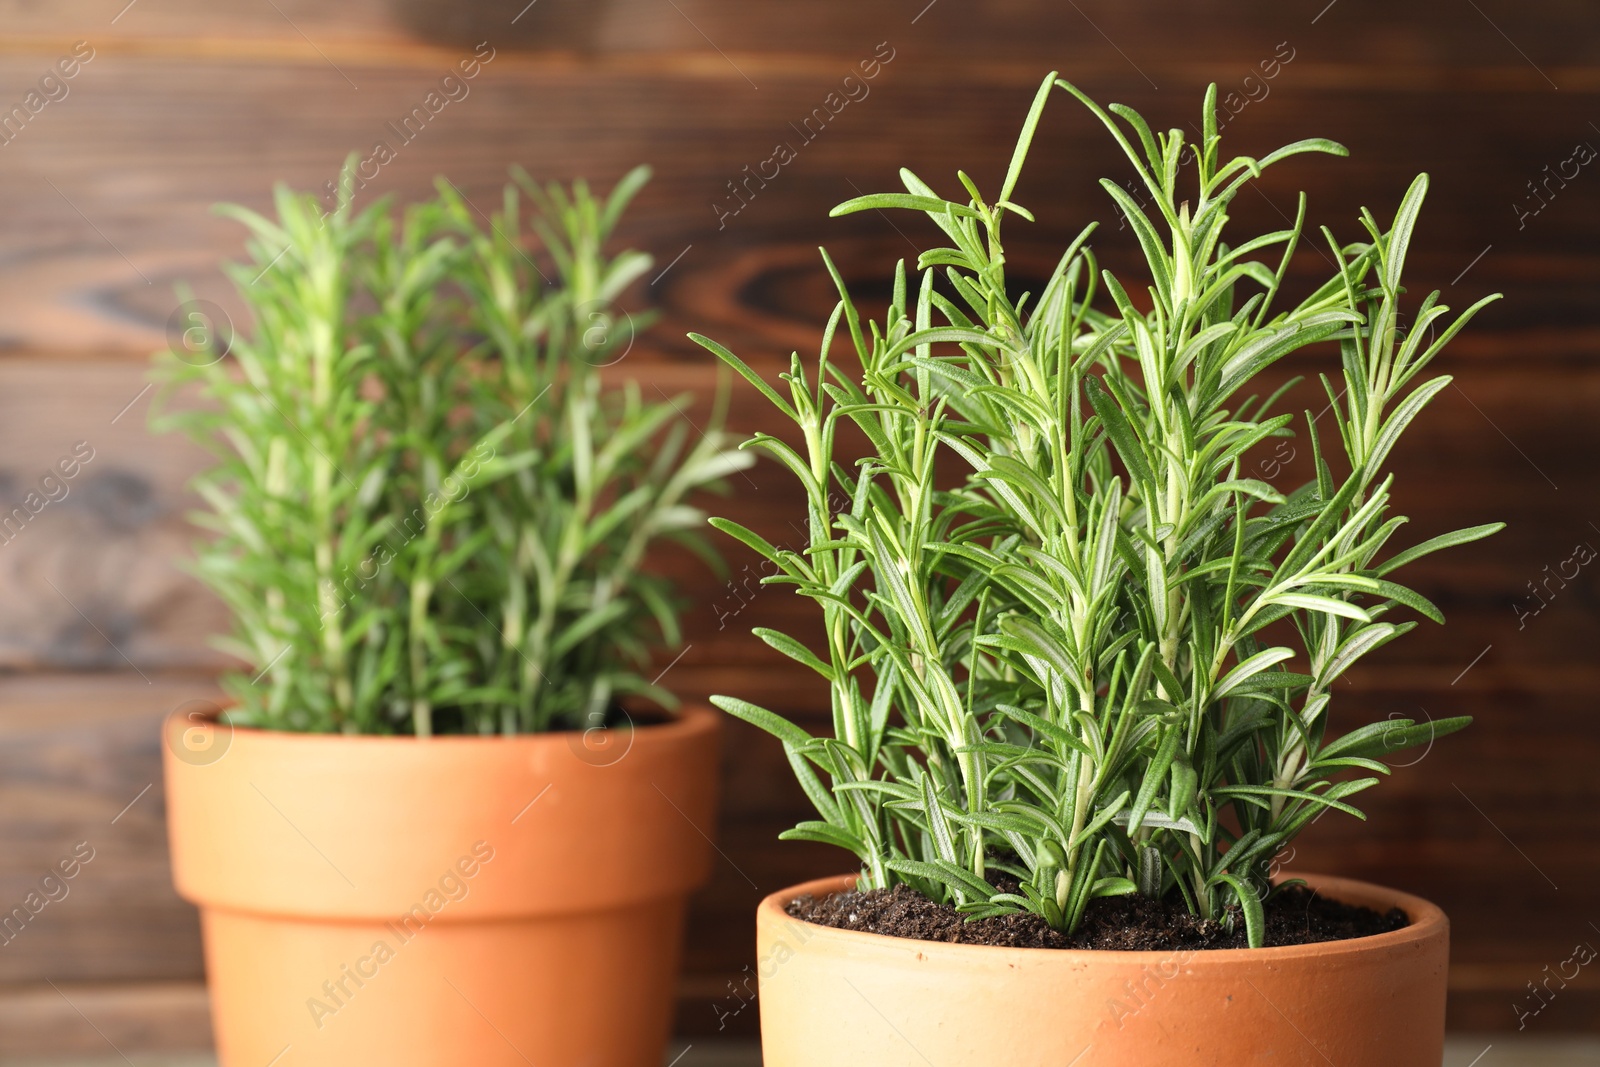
891, 1002
459, 900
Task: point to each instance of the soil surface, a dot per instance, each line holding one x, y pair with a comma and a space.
1295, 915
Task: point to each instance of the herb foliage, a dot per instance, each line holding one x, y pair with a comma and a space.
429, 513
1102, 659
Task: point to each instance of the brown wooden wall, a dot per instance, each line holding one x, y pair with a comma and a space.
104, 196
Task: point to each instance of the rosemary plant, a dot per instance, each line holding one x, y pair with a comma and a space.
429, 513
1101, 659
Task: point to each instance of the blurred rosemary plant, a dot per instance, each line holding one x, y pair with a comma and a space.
1099, 661
429, 514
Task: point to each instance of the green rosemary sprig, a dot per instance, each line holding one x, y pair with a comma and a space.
429, 513
1059, 676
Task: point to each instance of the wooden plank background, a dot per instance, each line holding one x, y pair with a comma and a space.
107, 194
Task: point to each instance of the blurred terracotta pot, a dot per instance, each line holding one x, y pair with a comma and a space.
459, 900
891, 1002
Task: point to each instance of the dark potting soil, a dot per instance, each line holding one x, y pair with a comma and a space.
453, 720
1295, 915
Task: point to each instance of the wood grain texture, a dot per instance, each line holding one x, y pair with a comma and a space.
119, 175
185, 103
1422, 38
80, 772
99, 1018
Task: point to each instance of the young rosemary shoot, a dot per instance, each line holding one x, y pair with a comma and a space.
429, 514
1101, 660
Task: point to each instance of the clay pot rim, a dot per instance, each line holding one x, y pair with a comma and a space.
691, 720
1428, 921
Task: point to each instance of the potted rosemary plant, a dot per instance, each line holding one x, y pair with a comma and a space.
1082, 662
433, 824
